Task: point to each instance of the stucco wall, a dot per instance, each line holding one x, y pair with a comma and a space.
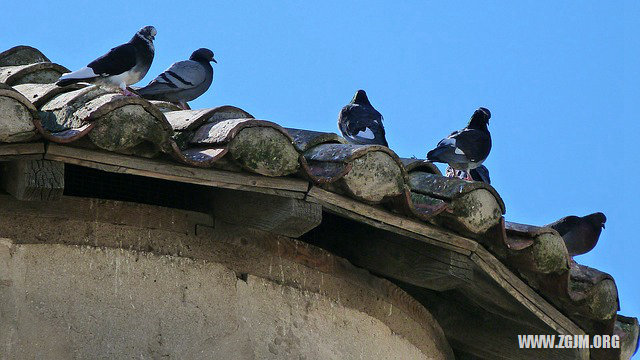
239, 295
79, 302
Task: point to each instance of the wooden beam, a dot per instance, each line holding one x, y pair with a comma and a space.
385, 220
392, 255
21, 151
417, 263
524, 294
276, 214
33, 179
170, 171
472, 330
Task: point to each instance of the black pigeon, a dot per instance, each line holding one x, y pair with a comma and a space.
580, 234
122, 66
183, 81
465, 149
481, 173
360, 123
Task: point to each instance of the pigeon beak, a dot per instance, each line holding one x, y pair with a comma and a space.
603, 225
214, 60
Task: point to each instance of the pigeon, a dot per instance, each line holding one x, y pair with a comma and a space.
183, 81
465, 149
580, 234
481, 173
122, 66
360, 123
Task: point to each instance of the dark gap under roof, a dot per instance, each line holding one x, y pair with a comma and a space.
93, 183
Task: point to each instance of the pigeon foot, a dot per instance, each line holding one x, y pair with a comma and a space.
126, 92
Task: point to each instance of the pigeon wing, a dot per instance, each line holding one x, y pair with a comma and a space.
565, 224
118, 60
182, 75
475, 145
447, 152
362, 125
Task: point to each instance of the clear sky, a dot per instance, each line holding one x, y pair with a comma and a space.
560, 79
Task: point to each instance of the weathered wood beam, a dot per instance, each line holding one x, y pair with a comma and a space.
418, 263
159, 169
524, 294
21, 151
391, 255
30, 180
276, 214
382, 219
489, 295
473, 331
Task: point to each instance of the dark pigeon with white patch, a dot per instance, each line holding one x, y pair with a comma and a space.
122, 66
465, 149
360, 123
481, 173
183, 81
580, 234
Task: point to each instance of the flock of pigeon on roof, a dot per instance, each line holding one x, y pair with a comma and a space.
360, 123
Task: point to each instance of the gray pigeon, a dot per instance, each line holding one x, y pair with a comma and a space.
580, 234
122, 66
465, 149
360, 123
183, 81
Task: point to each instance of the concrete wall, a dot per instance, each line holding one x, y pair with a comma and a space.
60, 299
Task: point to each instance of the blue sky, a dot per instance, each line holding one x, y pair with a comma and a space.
559, 78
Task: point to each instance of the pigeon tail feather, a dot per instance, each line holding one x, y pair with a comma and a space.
447, 155
66, 82
154, 90
84, 74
